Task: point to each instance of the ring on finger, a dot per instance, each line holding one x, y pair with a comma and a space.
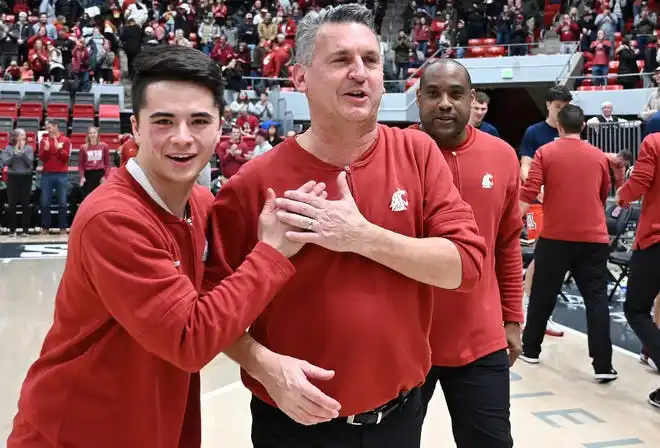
310, 224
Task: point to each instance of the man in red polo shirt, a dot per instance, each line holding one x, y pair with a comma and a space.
644, 282
574, 237
472, 331
392, 228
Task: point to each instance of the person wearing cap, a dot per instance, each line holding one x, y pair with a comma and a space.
206, 31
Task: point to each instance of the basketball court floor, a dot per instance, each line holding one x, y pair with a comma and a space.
555, 404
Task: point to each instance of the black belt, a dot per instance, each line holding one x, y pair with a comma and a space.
380, 413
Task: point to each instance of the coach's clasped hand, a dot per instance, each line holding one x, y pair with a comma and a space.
287, 381
335, 225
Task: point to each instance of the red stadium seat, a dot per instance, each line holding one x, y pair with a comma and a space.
475, 42
490, 41
32, 110
83, 111
495, 51
58, 111
411, 82
640, 65
8, 109
77, 140
4, 139
613, 87
10, 18
31, 139
614, 67
108, 111
476, 52
112, 140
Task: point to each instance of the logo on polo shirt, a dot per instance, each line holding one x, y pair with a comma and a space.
487, 181
399, 201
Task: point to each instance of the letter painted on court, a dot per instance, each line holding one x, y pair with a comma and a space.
513, 376
44, 251
567, 414
614, 443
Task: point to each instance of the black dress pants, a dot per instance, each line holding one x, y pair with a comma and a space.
272, 428
478, 400
588, 264
643, 287
19, 188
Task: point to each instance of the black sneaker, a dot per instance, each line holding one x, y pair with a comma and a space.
606, 377
654, 398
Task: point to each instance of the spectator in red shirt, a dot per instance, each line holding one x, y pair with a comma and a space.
373, 246
472, 331
38, 59
222, 52
54, 153
93, 162
247, 123
573, 238
643, 279
601, 49
569, 34
128, 149
619, 164
232, 153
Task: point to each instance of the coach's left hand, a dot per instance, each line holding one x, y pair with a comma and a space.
335, 225
513, 340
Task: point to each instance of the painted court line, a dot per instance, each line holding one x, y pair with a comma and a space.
220, 391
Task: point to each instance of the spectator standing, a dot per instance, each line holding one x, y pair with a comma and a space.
93, 162
54, 153
18, 158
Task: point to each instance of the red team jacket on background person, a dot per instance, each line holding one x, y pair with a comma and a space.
559, 168
645, 181
56, 158
342, 311
120, 366
468, 325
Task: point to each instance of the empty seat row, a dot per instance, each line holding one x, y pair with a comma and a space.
61, 97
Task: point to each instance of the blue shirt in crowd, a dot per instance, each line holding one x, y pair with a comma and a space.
537, 135
488, 129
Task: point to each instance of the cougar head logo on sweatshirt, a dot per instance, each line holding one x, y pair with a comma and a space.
487, 181
399, 201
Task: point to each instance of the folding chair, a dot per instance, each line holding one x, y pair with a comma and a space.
617, 219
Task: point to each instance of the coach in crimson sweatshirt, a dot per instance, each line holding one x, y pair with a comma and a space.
643, 281
54, 153
472, 330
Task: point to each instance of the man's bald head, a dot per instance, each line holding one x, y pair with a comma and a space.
446, 67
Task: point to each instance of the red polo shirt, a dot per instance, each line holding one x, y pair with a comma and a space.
342, 311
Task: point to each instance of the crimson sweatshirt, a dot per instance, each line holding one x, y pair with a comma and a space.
469, 325
342, 311
120, 365
96, 157
576, 180
56, 158
645, 181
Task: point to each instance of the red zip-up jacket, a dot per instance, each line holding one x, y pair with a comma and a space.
645, 181
119, 367
469, 325
342, 311
56, 158
576, 180
96, 157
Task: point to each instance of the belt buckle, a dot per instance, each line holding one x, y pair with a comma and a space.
351, 419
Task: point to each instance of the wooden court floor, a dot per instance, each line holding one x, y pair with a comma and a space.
555, 404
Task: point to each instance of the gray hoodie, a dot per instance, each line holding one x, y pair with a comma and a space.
17, 163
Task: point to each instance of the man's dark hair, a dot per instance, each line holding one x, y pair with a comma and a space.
626, 155
481, 97
52, 122
559, 93
445, 62
175, 63
571, 119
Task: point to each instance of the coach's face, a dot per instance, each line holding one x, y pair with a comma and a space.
345, 78
445, 102
177, 130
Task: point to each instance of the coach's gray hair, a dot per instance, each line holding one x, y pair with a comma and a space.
309, 26
18, 131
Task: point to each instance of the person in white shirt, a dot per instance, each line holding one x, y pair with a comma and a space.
262, 144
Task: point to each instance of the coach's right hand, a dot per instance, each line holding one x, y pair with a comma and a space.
286, 380
272, 232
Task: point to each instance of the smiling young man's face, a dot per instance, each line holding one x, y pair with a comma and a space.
177, 129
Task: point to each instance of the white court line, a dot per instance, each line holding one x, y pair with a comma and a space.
220, 391
616, 348
54, 257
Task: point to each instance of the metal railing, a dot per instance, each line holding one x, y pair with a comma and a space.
612, 137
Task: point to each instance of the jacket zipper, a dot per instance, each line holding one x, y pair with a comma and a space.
456, 172
349, 181
189, 228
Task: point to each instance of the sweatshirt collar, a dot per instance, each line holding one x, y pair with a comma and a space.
138, 174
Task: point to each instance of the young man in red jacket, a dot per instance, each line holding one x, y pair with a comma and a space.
644, 281
574, 237
472, 331
54, 153
393, 228
120, 365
